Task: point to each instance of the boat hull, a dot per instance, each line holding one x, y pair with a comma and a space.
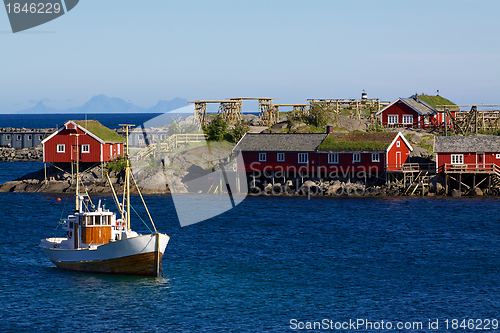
139, 255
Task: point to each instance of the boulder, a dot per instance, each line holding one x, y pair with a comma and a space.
477, 192
280, 126
456, 193
297, 126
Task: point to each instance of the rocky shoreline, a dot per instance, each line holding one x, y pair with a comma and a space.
20, 155
94, 183
58, 181
338, 188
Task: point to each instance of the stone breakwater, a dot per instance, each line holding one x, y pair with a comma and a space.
24, 154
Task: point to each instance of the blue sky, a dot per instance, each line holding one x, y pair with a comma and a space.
146, 51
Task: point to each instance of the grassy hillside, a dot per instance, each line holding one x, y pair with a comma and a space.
435, 100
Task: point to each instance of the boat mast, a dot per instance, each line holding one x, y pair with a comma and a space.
77, 170
127, 175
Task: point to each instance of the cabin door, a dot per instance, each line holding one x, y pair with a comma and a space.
398, 159
74, 152
480, 162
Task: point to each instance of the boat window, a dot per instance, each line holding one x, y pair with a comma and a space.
97, 220
108, 220
90, 221
71, 225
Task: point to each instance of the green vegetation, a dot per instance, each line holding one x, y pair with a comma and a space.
100, 131
240, 128
488, 132
318, 114
223, 145
435, 100
428, 144
309, 129
375, 127
117, 165
217, 129
174, 128
331, 143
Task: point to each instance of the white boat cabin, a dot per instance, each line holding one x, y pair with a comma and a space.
89, 229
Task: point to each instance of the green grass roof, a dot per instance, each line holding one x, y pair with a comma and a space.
435, 100
356, 141
100, 131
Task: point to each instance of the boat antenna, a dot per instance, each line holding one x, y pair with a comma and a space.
127, 174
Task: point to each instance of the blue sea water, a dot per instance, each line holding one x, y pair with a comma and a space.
110, 120
266, 262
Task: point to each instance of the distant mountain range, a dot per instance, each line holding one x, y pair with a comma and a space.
105, 104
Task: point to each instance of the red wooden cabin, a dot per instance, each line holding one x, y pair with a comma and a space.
467, 154
96, 143
410, 112
327, 155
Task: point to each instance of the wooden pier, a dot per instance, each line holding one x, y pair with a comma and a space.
477, 173
412, 177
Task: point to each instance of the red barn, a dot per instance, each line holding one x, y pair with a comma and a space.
467, 154
410, 112
323, 155
96, 143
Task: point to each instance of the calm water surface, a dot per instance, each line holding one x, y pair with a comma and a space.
258, 266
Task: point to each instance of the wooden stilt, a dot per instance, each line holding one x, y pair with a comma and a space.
489, 184
473, 181
460, 182
446, 181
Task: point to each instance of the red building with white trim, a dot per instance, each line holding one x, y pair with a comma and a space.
410, 112
323, 155
467, 154
96, 143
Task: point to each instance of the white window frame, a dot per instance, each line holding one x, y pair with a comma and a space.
19, 137
85, 149
498, 156
61, 148
30, 137
280, 157
398, 143
303, 158
7, 137
375, 157
392, 119
262, 157
356, 157
426, 120
407, 119
40, 137
333, 158
118, 149
457, 158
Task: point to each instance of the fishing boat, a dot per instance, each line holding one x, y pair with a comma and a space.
97, 240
